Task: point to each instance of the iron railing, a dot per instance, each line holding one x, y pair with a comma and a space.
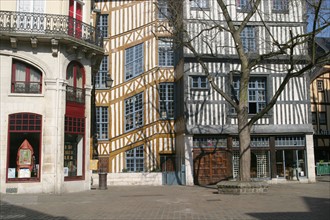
49, 24
74, 94
26, 87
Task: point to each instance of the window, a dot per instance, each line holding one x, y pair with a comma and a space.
163, 9
24, 147
199, 4
101, 76
320, 86
322, 118
290, 141
133, 61
166, 100
75, 18
210, 142
314, 120
249, 39
102, 123
135, 159
103, 24
280, 5
134, 112
165, 52
73, 155
25, 78
257, 93
244, 5
76, 79
199, 82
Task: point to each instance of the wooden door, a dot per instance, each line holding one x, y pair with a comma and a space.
211, 166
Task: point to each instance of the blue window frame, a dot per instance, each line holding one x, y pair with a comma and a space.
135, 159
133, 61
257, 93
200, 4
101, 76
165, 52
103, 24
248, 37
280, 5
134, 112
166, 100
199, 82
102, 122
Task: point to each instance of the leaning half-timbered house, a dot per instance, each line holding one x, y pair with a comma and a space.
135, 117
206, 126
320, 107
48, 51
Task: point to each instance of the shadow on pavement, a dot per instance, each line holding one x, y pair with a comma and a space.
9, 211
319, 210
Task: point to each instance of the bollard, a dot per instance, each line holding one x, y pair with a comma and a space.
103, 181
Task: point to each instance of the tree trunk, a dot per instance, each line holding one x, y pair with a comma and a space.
245, 152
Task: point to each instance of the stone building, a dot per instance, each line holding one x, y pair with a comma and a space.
48, 52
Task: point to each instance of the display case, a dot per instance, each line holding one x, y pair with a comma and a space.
70, 159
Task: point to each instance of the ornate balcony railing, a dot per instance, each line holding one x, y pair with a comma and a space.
74, 94
49, 24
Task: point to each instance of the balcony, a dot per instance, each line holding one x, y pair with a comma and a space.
76, 95
38, 24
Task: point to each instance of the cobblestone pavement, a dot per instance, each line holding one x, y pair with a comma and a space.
296, 201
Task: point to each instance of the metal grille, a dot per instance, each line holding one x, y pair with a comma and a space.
235, 164
262, 164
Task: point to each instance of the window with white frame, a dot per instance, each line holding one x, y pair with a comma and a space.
166, 100
248, 37
163, 9
165, 52
257, 91
101, 76
280, 5
244, 5
290, 141
133, 61
320, 86
134, 112
103, 24
199, 82
135, 159
102, 122
199, 4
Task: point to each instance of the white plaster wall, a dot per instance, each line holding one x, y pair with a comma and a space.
153, 179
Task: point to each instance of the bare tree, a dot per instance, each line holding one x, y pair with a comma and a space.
292, 50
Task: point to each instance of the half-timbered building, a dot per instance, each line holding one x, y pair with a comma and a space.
320, 107
206, 125
48, 52
135, 117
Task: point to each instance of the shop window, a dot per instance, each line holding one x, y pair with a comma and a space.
166, 100
25, 78
133, 61
134, 112
257, 93
75, 91
24, 147
290, 164
135, 159
74, 147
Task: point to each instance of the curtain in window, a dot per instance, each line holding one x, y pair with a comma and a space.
20, 74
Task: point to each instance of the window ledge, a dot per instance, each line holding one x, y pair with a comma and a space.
25, 95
